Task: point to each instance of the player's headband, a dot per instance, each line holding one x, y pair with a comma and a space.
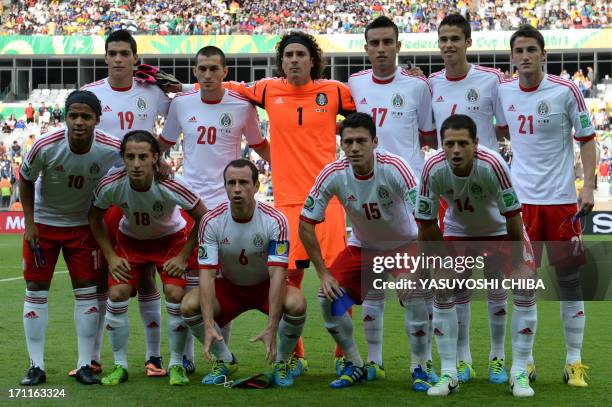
296, 39
86, 97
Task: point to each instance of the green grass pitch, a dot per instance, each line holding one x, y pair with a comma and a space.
310, 389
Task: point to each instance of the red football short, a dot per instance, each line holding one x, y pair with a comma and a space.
79, 248
235, 299
498, 255
551, 224
347, 269
141, 253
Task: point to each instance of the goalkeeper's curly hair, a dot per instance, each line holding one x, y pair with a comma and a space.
318, 63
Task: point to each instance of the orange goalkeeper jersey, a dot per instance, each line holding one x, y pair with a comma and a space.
302, 130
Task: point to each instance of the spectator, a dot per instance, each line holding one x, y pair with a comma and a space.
15, 149
57, 114
11, 122
29, 113
42, 109
5, 191
2, 149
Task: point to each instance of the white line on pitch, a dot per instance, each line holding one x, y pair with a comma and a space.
21, 278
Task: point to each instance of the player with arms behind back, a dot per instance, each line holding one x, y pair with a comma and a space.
151, 232
545, 114
56, 182
247, 242
483, 206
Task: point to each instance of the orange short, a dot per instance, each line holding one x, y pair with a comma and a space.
331, 234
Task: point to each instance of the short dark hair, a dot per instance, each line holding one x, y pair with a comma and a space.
121, 36
356, 120
318, 65
527, 31
86, 97
209, 51
457, 20
241, 163
140, 136
382, 22
459, 122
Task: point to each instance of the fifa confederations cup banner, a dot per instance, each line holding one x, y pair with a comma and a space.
265, 44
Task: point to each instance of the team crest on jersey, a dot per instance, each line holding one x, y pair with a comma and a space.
321, 99
476, 191
383, 193
158, 206
226, 120
543, 108
309, 204
141, 104
94, 169
397, 101
258, 241
472, 95
202, 253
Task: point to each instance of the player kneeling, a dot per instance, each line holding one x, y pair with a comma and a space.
151, 232
247, 242
485, 208
377, 190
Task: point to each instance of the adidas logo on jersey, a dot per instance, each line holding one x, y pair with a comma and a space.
511, 108
437, 332
351, 198
192, 119
107, 109
440, 99
363, 101
225, 241
279, 101
31, 315
92, 310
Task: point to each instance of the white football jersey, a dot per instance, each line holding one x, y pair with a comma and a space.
400, 107
127, 109
212, 134
147, 214
540, 122
244, 249
65, 180
477, 204
380, 206
474, 95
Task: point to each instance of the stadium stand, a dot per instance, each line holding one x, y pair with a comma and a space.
86, 17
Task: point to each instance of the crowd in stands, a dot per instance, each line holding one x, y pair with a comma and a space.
188, 17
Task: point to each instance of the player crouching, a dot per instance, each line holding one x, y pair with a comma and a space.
484, 208
248, 243
151, 232
377, 191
